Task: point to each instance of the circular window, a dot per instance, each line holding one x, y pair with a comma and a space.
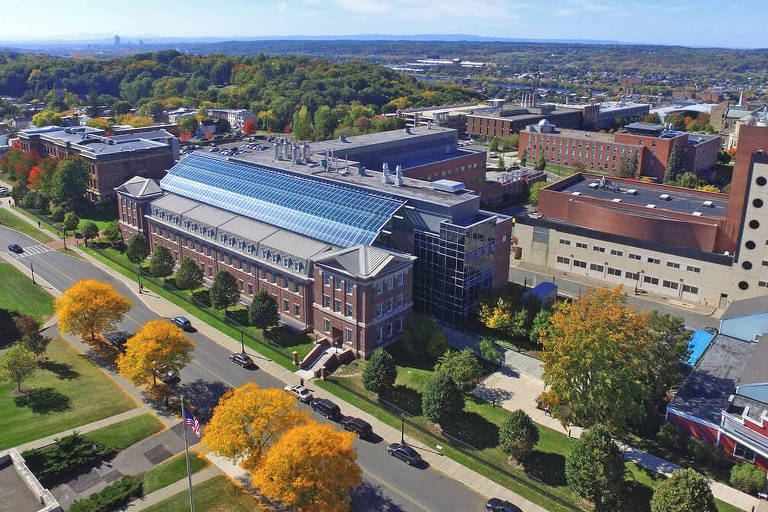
746, 265
757, 203
750, 244
743, 285
761, 180
754, 224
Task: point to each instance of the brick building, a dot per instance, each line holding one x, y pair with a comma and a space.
511, 121
111, 159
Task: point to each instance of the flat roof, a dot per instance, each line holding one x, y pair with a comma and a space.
15, 496
517, 117
679, 199
372, 139
579, 135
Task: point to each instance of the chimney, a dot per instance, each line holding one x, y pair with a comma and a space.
741, 98
385, 173
399, 176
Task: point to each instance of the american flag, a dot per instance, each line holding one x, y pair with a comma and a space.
190, 419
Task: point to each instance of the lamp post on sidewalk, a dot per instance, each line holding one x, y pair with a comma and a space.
402, 427
32, 268
242, 341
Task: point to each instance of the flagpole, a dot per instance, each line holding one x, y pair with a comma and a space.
186, 452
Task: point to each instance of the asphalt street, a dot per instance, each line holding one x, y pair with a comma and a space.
388, 484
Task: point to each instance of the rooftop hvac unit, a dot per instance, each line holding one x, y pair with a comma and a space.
451, 186
632, 192
708, 204
575, 193
616, 200
697, 214
650, 205
594, 184
665, 197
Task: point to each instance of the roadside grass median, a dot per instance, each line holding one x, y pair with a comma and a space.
10, 220
172, 470
216, 494
25, 298
124, 433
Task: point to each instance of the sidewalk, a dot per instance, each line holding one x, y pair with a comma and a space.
170, 490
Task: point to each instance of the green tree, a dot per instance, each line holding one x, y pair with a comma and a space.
70, 181
535, 191
487, 349
36, 342
524, 157
189, 125
17, 364
441, 399
684, 491
71, 221
380, 373
493, 145
138, 248
424, 336
90, 231
595, 468
669, 346
627, 167
539, 325
541, 163
93, 109
325, 122
674, 165
301, 126
224, 292
112, 232
462, 366
747, 478
518, 435
190, 275
500, 163
677, 120
652, 118
687, 180
162, 262
263, 311
120, 108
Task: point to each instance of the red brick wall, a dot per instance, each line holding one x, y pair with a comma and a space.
694, 429
469, 169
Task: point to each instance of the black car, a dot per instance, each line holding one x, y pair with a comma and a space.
182, 322
404, 453
117, 339
15, 248
326, 408
243, 360
497, 505
360, 427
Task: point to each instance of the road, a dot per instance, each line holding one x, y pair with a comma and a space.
692, 319
388, 484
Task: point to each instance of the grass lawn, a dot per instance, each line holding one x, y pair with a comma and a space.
67, 391
11, 220
26, 298
214, 495
172, 470
123, 434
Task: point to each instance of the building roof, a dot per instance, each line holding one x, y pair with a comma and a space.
139, 187
374, 139
745, 307
332, 213
20, 491
297, 245
755, 369
362, 261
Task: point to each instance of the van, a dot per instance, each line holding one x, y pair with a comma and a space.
360, 427
326, 408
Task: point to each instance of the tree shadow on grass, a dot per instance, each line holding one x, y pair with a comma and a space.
474, 430
546, 467
405, 398
638, 497
44, 401
63, 371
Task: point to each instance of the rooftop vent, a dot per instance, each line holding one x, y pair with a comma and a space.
665, 197
632, 192
708, 204
616, 200
650, 205
454, 187
575, 193
697, 214
594, 184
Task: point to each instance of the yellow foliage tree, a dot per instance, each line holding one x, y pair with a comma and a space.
158, 347
247, 419
90, 307
312, 468
708, 188
496, 316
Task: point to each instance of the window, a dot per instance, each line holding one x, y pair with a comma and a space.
581, 264
596, 267
389, 305
563, 241
296, 310
210, 271
274, 277
348, 335
635, 257
670, 284
379, 288
286, 306
655, 261
242, 285
296, 287
389, 330
348, 309
614, 271
326, 280
651, 280
378, 309
250, 289
400, 324
337, 305
326, 301
691, 268
564, 260
263, 274
326, 325
379, 334
337, 284
673, 264
401, 279
614, 252
764, 284
581, 245
597, 248
349, 288
691, 289
742, 452
399, 302
391, 283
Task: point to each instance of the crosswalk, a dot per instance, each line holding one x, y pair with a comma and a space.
32, 250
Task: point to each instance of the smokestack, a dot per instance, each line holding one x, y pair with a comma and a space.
385, 173
741, 98
399, 175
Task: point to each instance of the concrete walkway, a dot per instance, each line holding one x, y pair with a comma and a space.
170, 490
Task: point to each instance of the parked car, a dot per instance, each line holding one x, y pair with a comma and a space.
243, 360
183, 322
404, 453
497, 505
117, 339
300, 392
168, 377
326, 408
15, 248
361, 427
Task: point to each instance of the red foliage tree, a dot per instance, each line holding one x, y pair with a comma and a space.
34, 177
288, 128
185, 136
249, 127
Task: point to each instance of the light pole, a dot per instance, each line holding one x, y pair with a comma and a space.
242, 341
32, 268
138, 278
402, 427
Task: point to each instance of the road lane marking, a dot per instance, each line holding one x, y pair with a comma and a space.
32, 250
396, 490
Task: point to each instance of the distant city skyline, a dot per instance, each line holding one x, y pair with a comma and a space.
739, 23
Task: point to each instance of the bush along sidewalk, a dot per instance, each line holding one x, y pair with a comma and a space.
66, 457
111, 497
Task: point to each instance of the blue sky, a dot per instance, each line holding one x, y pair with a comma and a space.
733, 23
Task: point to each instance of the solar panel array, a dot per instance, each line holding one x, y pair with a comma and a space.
337, 215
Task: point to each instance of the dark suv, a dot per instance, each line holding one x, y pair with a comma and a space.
327, 408
360, 427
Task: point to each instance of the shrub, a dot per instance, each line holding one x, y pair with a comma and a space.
380, 373
518, 435
670, 437
441, 400
67, 455
684, 491
747, 478
111, 497
239, 315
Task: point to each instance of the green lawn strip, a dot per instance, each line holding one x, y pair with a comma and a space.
10, 220
50, 226
172, 470
215, 494
123, 434
25, 297
204, 315
67, 391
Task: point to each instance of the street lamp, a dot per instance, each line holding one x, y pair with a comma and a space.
242, 341
402, 427
32, 268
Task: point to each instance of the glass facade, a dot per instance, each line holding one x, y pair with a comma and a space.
453, 268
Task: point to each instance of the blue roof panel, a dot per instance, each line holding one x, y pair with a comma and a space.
337, 214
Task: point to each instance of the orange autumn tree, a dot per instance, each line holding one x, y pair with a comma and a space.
158, 347
312, 468
90, 307
247, 419
596, 358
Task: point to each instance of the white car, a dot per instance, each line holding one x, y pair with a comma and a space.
300, 392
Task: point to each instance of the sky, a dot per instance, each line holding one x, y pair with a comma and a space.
730, 23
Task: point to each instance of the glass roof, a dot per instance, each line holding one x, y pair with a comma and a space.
335, 214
